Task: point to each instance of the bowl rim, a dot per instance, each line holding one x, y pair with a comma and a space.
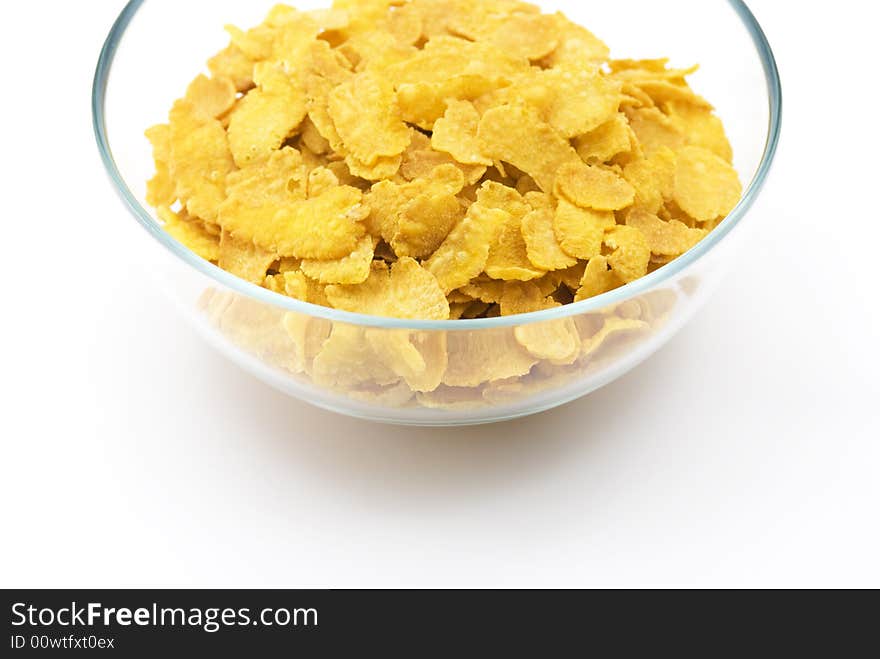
617, 296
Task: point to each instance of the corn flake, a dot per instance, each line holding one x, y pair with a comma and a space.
405, 291
556, 340
542, 246
199, 160
192, 233
597, 279
593, 187
365, 114
456, 134
267, 116
211, 97
516, 134
485, 356
670, 239
581, 231
244, 259
631, 253
465, 252
352, 269
706, 186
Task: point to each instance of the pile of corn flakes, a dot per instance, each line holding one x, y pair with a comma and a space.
438, 159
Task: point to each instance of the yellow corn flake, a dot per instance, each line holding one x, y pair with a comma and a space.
489, 291
365, 114
655, 130
267, 116
290, 34
464, 253
255, 327
255, 193
244, 259
375, 50
670, 239
456, 134
386, 201
664, 91
296, 285
568, 280
308, 334
424, 103
597, 279
557, 341
706, 187
234, 65
542, 246
446, 57
517, 135
605, 142
573, 102
420, 159
199, 160
191, 233
305, 289
363, 15
631, 253
508, 256
580, 231
524, 297
405, 291
577, 47
312, 139
328, 63
352, 269
347, 359
384, 167
405, 24
426, 221
321, 228
613, 329
257, 44
485, 355
593, 187
275, 283
702, 128
583, 102
416, 216
653, 179
420, 358
161, 189
212, 97
321, 180
531, 36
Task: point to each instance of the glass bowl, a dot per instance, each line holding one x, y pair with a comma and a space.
451, 372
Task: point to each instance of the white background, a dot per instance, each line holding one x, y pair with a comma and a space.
744, 454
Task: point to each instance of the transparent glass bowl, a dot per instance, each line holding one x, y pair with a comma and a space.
388, 370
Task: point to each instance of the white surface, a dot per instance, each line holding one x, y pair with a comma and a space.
744, 454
